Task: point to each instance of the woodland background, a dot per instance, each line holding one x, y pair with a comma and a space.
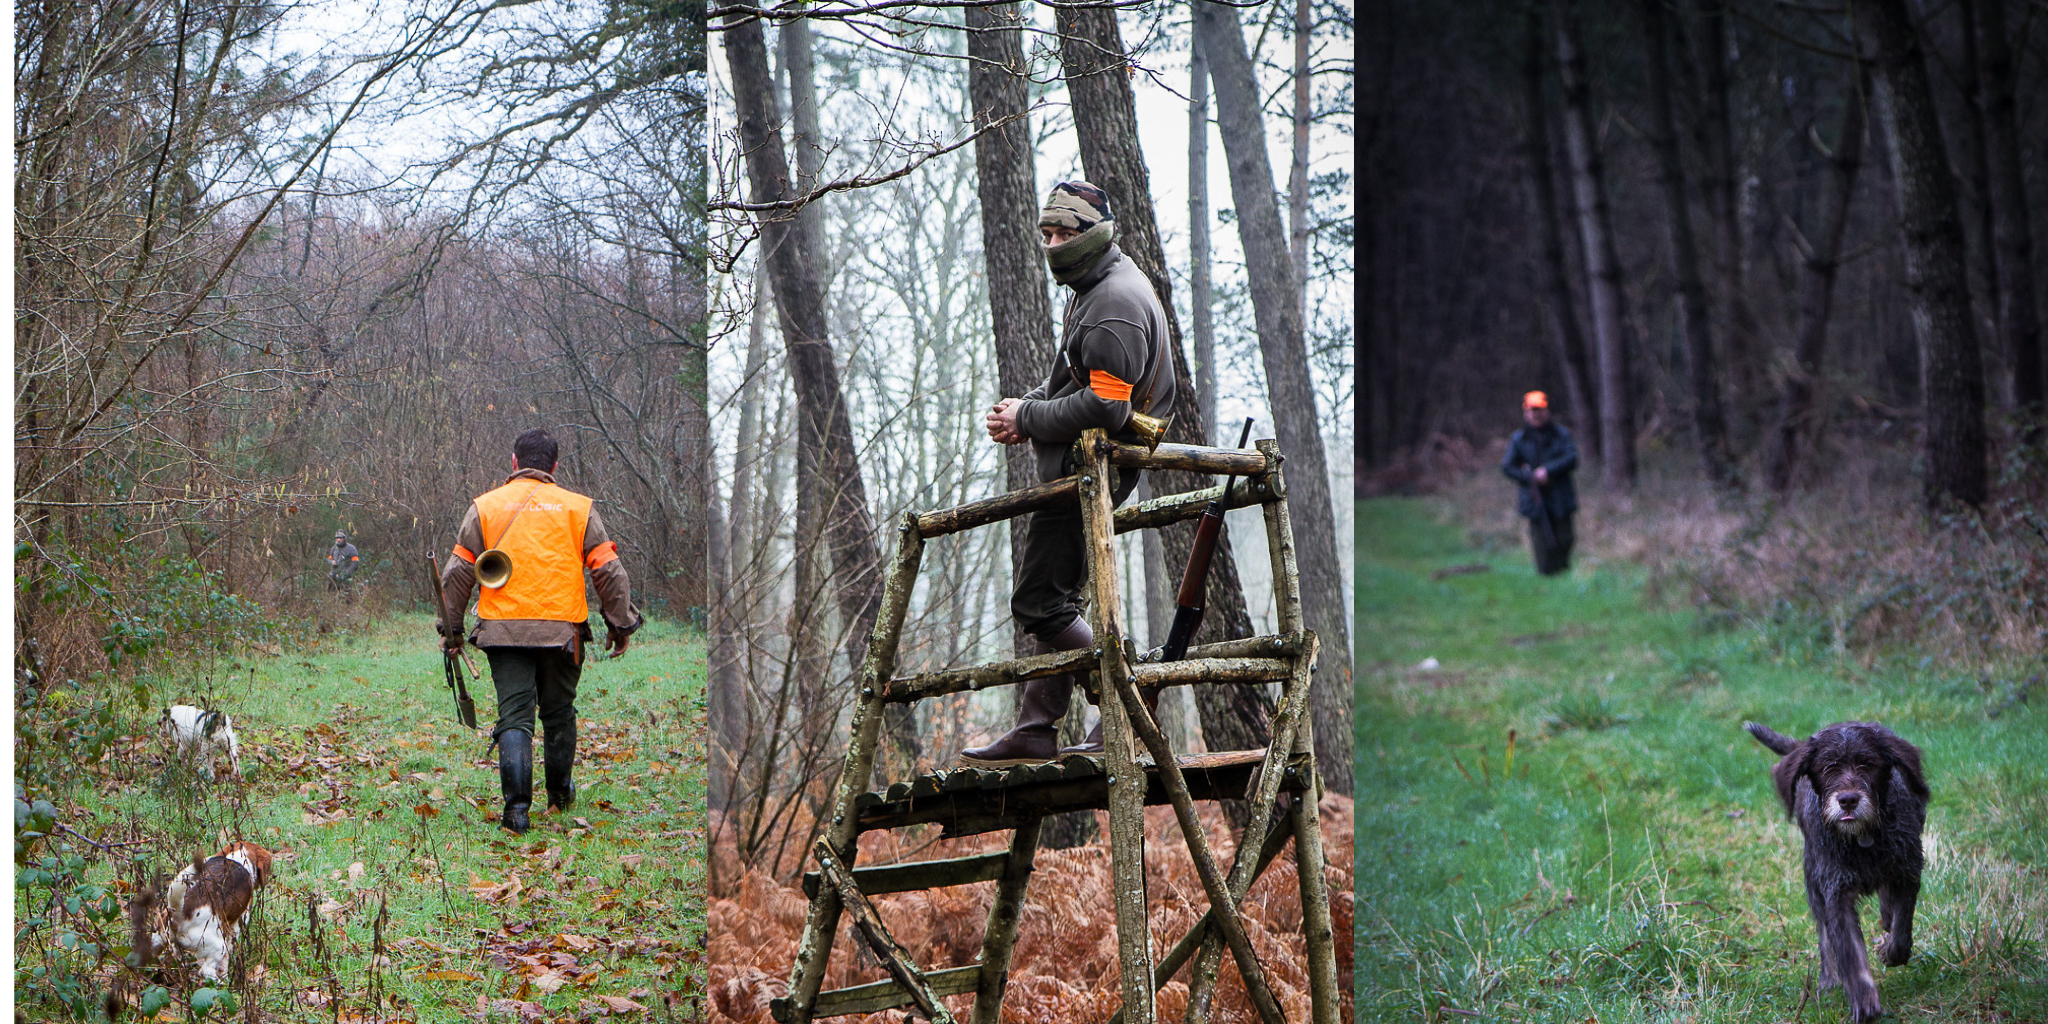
283, 268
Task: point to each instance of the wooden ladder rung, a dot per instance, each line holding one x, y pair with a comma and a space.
884, 995
1252, 659
922, 874
910, 689
1212, 670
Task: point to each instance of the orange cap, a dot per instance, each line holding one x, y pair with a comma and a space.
1535, 400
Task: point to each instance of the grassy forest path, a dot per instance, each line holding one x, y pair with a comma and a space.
393, 897
1626, 859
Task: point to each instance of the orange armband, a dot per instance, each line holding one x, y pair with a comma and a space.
1108, 387
601, 554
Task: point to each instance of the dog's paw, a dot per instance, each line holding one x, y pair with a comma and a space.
1893, 952
1865, 1009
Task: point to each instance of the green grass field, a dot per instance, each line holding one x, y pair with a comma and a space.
394, 899
1623, 857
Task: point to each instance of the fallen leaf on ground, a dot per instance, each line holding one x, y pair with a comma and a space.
448, 976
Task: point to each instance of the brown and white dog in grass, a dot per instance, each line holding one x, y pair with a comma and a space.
198, 736
210, 901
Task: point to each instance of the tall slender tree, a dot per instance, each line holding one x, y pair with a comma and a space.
1823, 263
1547, 231
1097, 73
1200, 299
1297, 175
1291, 394
2012, 231
1005, 168
1603, 262
1708, 426
1937, 293
824, 432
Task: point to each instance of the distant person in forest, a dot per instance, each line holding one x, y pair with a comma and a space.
1112, 361
534, 622
342, 561
1541, 458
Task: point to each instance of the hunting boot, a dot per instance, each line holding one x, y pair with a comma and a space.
515, 777
560, 747
1092, 746
1036, 739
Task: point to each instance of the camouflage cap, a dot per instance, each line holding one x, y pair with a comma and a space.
1075, 205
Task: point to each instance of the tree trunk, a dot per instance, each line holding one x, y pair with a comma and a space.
1937, 294
1744, 335
1973, 192
794, 40
728, 692
1291, 393
1708, 427
1297, 177
1603, 264
2019, 318
1021, 313
1553, 280
1199, 298
1817, 290
824, 433
1105, 119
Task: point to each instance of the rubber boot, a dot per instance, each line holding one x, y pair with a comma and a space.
560, 746
1092, 746
515, 777
1036, 738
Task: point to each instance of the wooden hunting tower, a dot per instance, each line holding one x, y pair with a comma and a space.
1279, 781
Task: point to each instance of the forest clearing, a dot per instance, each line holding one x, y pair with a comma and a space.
395, 896
1567, 821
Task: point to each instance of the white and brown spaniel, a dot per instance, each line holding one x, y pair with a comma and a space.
198, 736
210, 901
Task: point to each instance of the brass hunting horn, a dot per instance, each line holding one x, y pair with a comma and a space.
494, 566
1150, 429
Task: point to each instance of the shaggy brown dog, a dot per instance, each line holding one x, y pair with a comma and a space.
1858, 794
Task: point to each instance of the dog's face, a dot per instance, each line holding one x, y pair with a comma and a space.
1853, 768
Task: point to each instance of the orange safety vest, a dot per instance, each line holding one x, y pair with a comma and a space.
546, 545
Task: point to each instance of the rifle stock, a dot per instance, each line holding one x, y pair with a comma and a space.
1194, 582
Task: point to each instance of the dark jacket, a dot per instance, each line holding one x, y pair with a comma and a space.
1113, 324
342, 560
1552, 448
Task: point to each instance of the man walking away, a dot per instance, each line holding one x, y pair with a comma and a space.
1541, 459
1112, 361
533, 619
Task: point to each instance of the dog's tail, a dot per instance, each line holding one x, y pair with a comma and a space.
1779, 743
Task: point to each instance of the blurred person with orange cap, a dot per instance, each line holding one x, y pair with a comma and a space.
1541, 459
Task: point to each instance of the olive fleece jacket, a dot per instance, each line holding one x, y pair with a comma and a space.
1114, 324
614, 590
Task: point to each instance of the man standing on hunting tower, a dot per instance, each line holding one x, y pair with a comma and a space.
1541, 460
1112, 361
528, 543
